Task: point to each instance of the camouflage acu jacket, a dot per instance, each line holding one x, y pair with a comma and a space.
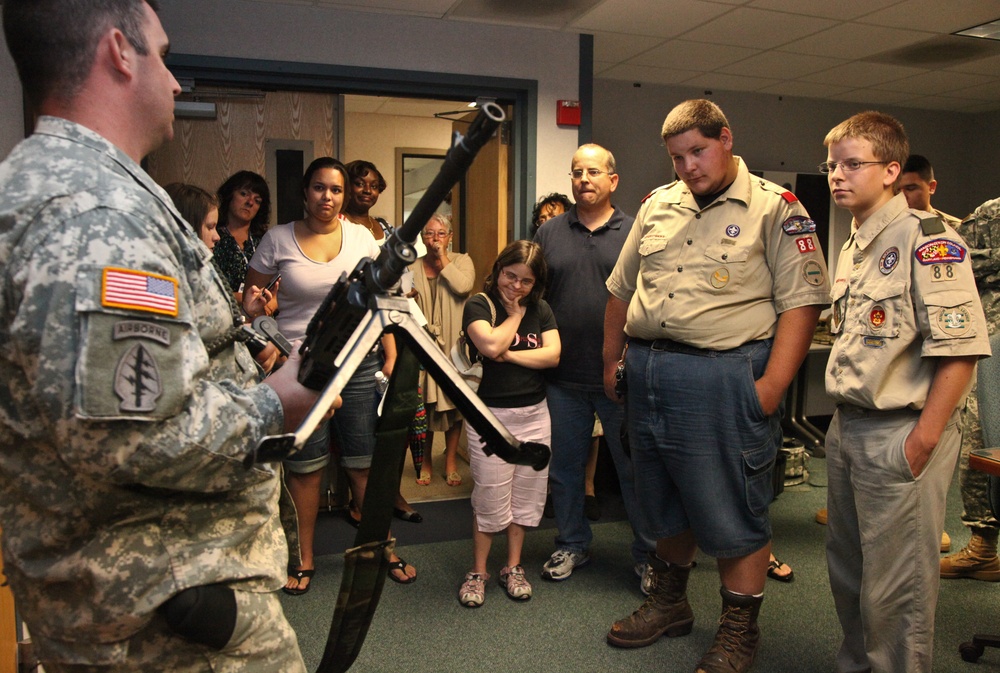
121, 436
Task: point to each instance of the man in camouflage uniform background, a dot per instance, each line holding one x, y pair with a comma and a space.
126, 407
978, 559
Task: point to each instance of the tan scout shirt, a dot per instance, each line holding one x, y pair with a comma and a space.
718, 278
901, 298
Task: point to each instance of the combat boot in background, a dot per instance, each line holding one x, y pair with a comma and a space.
736, 640
977, 560
665, 610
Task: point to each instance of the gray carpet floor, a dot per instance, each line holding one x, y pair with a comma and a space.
422, 628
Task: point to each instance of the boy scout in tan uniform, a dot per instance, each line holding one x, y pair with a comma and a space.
908, 329
718, 287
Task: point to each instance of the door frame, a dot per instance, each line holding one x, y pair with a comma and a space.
337, 79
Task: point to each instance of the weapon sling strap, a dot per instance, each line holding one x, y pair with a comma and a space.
367, 564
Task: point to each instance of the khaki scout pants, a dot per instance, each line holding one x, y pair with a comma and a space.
883, 538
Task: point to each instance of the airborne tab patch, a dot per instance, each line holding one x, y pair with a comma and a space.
139, 291
940, 251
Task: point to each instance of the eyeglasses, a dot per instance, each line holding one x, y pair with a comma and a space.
512, 278
435, 234
846, 166
591, 173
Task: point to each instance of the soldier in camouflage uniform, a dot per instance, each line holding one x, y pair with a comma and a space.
126, 408
978, 559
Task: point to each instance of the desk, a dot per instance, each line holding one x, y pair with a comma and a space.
985, 460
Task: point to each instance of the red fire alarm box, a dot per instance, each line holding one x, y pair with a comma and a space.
568, 112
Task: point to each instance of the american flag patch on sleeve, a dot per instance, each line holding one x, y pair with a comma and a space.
139, 291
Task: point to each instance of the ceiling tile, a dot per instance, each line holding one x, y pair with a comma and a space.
780, 64
719, 80
985, 66
694, 55
936, 16
643, 73
805, 89
935, 103
854, 40
873, 96
521, 12
842, 10
757, 28
664, 18
618, 47
437, 8
937, 82
858, 74
980, 92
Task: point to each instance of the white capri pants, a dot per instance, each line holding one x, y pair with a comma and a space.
503, 493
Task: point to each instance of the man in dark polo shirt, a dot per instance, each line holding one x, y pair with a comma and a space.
581, 247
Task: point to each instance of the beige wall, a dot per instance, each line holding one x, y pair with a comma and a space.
375, 137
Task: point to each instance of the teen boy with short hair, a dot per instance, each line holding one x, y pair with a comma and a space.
909, 328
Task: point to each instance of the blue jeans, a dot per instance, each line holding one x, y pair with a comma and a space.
572, 413
702, 447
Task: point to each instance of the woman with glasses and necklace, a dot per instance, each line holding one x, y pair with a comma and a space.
514, 330
442, 280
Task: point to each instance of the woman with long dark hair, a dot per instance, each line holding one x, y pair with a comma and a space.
244, 211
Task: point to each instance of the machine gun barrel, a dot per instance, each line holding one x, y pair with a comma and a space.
397, 253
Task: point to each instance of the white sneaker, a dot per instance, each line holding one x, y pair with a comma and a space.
514, 583
645, 573
561, 564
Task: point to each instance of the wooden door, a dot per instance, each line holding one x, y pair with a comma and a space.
482, 222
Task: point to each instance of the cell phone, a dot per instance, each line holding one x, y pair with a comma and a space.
271, 282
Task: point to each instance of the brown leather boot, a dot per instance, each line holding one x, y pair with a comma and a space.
665, 610
736, 640
977, 560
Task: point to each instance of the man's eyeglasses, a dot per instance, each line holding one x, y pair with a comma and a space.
591, 173
846, 166
512, 278
435, 234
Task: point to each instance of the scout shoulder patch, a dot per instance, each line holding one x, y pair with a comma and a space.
940, 251
931, 226
139, 291
789, 197
798, 224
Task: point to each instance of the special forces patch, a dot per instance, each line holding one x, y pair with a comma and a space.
137, 380
888, 261
954, 321
796, 225
940, 251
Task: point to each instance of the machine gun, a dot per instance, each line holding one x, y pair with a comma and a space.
358, 310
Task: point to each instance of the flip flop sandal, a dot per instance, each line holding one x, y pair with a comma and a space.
772, 571
299, 575
453, 479
424, 479
400, 565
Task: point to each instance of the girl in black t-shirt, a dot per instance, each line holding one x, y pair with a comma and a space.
515, 346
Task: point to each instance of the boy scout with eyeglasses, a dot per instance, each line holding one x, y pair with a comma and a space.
908, 329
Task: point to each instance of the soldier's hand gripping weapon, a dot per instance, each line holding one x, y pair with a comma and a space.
356, 312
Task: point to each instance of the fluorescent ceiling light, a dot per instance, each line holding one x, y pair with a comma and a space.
986, 31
